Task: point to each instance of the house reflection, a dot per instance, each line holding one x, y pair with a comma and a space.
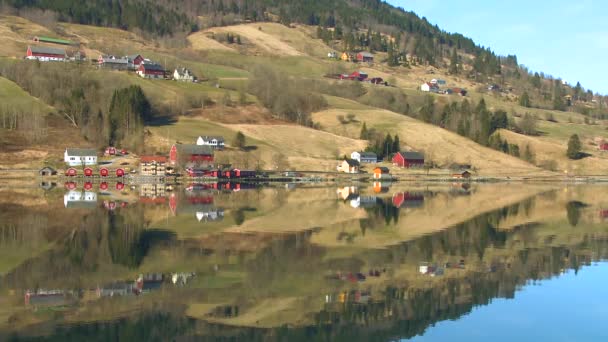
408, 199
80, 199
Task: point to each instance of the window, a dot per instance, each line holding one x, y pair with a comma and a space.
72, 158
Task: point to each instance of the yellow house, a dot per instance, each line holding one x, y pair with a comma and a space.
348, 166
346, 57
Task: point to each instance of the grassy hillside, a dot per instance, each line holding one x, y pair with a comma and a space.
295, 52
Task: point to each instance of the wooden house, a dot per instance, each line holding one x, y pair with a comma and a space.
381, 172
364, 157
47, 171
80, 156
181, 154
215, 142
408, 159
348, 166
112, 62
152, 165
364, 56
183, 75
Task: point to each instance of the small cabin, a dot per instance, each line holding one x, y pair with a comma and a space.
381, 172
348, 166
465, 174
47, 171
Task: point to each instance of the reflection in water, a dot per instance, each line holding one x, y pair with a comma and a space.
151, 270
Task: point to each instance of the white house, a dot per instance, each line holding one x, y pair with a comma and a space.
80, 199
213, 142
364, 157
80, 156
429, 87
184, 75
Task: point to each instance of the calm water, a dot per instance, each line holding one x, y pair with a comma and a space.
289, 262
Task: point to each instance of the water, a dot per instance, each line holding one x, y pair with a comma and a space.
288, 262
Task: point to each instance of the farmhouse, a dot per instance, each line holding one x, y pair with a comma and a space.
364, 157
152, 165
348, 166
382, 172
215, 142
45, 54
408, 159
114, 63
80, 156
151, 70
184, 75
365, 56
190, 154
134, 61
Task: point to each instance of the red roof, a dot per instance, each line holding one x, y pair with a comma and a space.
149, 159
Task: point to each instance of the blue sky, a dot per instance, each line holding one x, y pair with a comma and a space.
567, 39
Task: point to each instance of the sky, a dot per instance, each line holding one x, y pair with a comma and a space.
563, 38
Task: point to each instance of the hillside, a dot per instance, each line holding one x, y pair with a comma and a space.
229, 72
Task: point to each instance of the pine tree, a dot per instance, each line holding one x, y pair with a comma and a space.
454, 63
524, 100
574, 147
239, 140
396, 144
364, 133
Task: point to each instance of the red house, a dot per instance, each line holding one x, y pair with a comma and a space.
135, 61
408, 159
364, 56
603, 146
45, 54
188, 154
151, 70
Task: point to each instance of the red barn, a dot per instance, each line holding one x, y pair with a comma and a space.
603, 146
151, 70
103, 172
120, 172
71, 172
365, 56
408, 159
45, 54
358, 75
88, 172
188, 154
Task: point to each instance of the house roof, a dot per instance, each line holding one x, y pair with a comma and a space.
153, 67
412, 155
81, 152
209, 137
114, 60
54, 40
132, 57
47, 50
368, 155
48, 168
351, 162
183, 71
149, 159
194, 149
383, 169
366, 54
